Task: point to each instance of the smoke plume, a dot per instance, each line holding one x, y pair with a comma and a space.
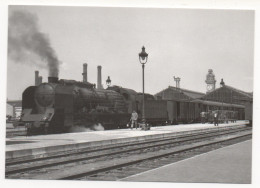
98, 127
26, 44
95, 127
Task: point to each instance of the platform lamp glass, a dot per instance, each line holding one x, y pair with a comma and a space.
108, 81
143, 57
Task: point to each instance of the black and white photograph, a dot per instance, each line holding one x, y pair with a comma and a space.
129, 94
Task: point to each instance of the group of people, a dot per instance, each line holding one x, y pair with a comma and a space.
204, 117
134, 123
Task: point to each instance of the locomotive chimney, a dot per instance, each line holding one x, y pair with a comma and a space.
99, 78
52, 79
36, 78
85, 72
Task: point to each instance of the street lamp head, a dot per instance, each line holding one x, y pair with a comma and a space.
108, 81
143, 56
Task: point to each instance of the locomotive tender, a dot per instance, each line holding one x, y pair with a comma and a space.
60, 105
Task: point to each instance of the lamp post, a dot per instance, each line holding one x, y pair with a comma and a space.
222, 83
143, 56
108, 81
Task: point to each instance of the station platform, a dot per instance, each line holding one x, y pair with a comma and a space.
44, 145
12, 131
225, 165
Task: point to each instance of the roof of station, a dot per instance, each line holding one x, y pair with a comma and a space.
189, 93
220, 104
247, 94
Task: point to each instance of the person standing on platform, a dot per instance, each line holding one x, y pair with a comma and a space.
203, 117
133, 119
216, 119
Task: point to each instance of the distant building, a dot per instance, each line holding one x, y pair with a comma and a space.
228, 94
225, 95
210, 81
179, 106
9, 110
14, 108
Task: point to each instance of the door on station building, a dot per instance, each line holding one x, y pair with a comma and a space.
178, 110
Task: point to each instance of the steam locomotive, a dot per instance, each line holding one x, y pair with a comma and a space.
61, 105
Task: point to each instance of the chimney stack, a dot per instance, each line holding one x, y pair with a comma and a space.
99, 78
36, 78
85, 73
40, 80
177, 80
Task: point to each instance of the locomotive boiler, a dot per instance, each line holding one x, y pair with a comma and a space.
60, 105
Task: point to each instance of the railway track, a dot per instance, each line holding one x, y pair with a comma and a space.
20, 131
109, 146
104, 162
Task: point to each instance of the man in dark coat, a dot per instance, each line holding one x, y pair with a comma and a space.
216, 119
134, 118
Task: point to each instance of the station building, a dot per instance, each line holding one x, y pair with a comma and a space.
213, 99
227, 94
231, 95
179, 105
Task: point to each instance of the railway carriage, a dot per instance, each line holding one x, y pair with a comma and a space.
189, 111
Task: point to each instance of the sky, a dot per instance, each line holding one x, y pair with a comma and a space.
183, 43
180, 42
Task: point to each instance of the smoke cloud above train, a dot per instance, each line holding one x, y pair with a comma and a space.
28, 45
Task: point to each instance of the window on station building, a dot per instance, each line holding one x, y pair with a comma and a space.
159, 97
